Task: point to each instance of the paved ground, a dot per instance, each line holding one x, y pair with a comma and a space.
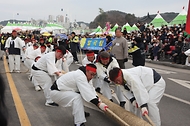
174, 106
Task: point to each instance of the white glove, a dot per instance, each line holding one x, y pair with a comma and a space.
134, 103
103, 106
144, 111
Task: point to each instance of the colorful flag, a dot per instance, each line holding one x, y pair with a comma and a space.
108, 46
188, 20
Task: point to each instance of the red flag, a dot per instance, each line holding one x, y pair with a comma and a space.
188, 20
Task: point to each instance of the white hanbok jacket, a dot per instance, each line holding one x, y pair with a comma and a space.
49, 49
139, 80
76, 81
34, 54
47, 63
86, 61
18, 43
29, 50
187, 53
102, 72
69, 57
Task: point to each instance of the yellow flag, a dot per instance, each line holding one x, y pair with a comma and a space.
82, 42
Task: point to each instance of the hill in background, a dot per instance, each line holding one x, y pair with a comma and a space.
122, 18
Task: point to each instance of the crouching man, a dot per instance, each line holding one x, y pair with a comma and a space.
146, 85
44, 68
74, 87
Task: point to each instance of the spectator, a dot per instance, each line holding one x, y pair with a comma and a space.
74, 46
185, 47
120, 48
137, 52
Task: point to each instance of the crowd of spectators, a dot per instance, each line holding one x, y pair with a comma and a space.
165, 43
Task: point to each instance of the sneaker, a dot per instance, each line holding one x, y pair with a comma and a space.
87, 114
82, 124
52, 104
76, 62
37, 88
17, 71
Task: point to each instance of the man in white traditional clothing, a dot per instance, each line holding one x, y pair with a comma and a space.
49, 48
89, 58
68, 57
102, 83
29, 61
143, 86
31, 49
33, 54
13, 46
74, 87
44, 68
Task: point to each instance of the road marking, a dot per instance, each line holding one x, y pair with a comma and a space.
181, 82
164, 71
178, 99
24, 120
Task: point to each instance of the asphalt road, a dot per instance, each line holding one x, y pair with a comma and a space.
174, 106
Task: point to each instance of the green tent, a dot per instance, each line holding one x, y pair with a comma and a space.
135, 28
180, 19
158, 21
114, 27
97, 31
112, 31
9, 24
128, 27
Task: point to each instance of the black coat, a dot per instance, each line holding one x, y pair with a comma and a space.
73, 45
138, 56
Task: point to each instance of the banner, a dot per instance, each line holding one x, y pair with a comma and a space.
93, 43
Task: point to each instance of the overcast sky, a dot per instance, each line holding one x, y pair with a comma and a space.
84, 10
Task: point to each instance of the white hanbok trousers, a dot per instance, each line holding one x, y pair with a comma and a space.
106, 90
70, 98
155, 95
14, 62
28, 63
44, 80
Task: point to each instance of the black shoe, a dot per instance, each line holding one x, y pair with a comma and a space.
52, 104
87, 114
122, 104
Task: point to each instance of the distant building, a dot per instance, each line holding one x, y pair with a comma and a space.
50, 18
67, 19
59, 18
